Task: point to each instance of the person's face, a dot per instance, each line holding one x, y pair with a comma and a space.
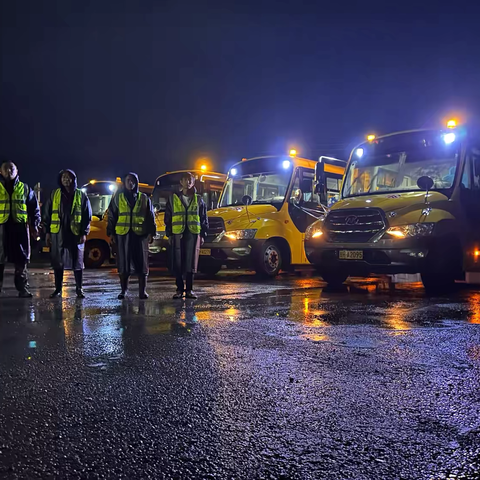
9, 171
130, 182
187, 182
67, 180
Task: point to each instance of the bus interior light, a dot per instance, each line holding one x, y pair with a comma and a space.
111, 187
359, 152
286, 164
233, 172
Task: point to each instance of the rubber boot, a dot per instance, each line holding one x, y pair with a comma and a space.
58, 272
142, 286
79, 283
124, 287
21, 281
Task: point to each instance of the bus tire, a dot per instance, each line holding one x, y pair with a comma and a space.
269, 260
335, 278
443, 267
96, 253
210, 270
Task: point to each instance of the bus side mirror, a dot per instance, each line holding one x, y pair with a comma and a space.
320, 188
296, 198
247, 200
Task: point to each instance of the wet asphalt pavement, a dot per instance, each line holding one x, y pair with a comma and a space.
255, 379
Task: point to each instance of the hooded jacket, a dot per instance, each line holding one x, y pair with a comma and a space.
65, 206
131, 197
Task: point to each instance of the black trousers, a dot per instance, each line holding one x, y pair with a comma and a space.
181, 285
20, 276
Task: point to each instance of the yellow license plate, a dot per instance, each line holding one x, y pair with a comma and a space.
350, 254
45, 249
205, 251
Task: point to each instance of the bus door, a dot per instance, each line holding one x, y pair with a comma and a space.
311, 209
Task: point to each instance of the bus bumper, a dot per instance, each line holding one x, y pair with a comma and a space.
231, 253
158, 252
410, 257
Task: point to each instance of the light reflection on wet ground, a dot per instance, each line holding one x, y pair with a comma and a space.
291, 330
101, 325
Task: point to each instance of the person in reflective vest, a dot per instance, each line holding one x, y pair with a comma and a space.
67, 223
131, 226
186, 226
19, 217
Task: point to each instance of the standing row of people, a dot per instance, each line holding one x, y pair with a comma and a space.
131, 227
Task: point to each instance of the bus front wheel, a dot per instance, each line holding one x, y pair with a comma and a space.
333, 277
270, 260
96, 252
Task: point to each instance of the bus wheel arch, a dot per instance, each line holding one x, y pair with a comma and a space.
96, 253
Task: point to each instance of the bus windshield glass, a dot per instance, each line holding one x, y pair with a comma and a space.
265, 180
395, 163
100, 194
165, 185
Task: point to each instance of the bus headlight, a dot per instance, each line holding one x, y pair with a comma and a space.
314, 231
412, 230
247, 234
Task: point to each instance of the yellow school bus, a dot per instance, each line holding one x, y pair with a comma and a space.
98, 248
266, 205
208, 184
409, 205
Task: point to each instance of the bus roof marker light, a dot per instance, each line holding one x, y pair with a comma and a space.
449, 138
359, 152
286, 164
371, 137
293, 152
92, 182
451, 123
233, 172
203, 168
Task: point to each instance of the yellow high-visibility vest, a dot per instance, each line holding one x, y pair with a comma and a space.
128, 218
17, 204
189, 216
76, 213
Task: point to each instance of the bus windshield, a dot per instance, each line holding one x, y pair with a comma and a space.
265, 180
99, 203
396, 162
165, 185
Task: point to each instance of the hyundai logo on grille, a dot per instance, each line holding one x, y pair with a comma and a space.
351, 220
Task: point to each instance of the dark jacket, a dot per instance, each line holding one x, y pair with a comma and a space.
15, 237
202, 212
132, 249
65, 250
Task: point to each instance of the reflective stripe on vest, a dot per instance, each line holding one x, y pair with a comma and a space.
131, 218
181, 215
17, 204
76, 213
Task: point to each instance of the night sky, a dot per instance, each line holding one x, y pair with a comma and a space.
108, 86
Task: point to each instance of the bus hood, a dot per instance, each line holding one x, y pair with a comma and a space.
240, 213
390, 201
